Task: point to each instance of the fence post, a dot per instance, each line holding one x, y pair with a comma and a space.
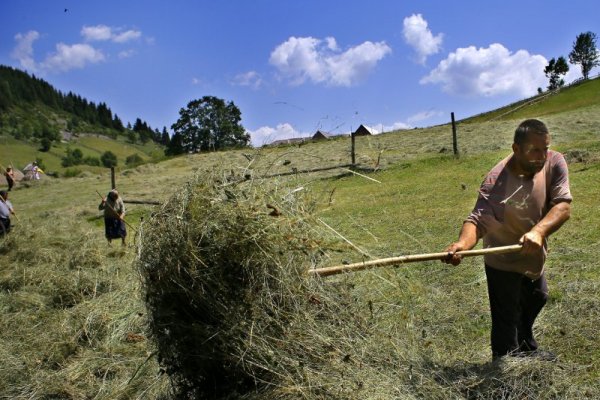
454, 141
112, 178
352, 151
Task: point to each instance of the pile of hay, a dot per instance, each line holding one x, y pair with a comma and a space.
233, 311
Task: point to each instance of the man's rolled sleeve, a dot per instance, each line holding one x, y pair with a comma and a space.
559, 186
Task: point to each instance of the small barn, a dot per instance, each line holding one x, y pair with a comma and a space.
320, 135
364, 130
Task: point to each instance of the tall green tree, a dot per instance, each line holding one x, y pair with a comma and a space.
164, 138
118, 124
554, 72
585, 53
109, 159
175, 145
210, 124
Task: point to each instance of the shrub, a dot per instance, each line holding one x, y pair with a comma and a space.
73, 157
133, 160
45, 144
93, 161
109, 159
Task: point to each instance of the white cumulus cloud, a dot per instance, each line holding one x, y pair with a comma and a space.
419, 37
96, 33
321, 61
126, 36
489, 71
267, 134
103, 33
23, 51
68, 57
71, 56
395, 126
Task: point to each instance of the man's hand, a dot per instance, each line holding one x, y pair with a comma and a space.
466, 241
452, 257
532, 241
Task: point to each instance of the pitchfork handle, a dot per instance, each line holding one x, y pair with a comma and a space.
338, 269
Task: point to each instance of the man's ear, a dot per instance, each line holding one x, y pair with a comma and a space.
515, 148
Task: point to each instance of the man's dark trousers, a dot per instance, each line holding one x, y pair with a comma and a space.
515, 302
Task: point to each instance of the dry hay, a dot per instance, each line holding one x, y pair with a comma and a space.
233, 311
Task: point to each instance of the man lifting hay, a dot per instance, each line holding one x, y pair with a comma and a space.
524, 199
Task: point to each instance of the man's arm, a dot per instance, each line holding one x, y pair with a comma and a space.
534, 239
467, 239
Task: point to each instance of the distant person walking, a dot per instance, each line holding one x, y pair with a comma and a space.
36, 171
523, 199
6, 209
114, 214
10, 177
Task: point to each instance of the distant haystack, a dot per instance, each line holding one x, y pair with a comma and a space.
232, 309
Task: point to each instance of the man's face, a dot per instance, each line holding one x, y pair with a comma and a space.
531, 155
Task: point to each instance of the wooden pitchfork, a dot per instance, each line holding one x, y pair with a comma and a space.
338, 269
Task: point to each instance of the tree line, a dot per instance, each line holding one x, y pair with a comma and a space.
19, 89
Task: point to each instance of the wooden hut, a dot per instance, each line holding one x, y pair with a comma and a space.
320, 135
364, 130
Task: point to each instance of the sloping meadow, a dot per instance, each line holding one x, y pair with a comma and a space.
220, 304
234, 314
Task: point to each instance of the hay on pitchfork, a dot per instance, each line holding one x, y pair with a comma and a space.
232, 308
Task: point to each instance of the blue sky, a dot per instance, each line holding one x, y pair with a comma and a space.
293, 67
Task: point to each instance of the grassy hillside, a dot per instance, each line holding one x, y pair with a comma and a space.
19, 153
74, 321
39, 122
586, 93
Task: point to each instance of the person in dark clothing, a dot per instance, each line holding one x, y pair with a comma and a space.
10, 178
114, 214
523, 199
6, 209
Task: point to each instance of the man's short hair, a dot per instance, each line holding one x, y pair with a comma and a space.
529, 125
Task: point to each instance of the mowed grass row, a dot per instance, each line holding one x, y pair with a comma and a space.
74, 324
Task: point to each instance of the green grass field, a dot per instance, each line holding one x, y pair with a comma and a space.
19, 153
74, 322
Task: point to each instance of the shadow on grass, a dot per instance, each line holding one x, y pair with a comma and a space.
501, 379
